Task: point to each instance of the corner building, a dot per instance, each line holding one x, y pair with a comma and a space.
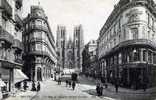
40, 55
127, 44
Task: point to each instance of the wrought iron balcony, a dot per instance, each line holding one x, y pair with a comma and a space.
18, 44
37, 27
7, 8
5, 36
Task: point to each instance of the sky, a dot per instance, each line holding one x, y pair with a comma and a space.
91, 14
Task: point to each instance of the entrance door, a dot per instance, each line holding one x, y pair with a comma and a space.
135, 78
39, 74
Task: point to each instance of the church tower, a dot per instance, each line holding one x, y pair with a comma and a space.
78, 46
61, 44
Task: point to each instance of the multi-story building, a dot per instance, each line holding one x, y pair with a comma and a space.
11, 47
39, 46
126, 45
89, 59
70, 51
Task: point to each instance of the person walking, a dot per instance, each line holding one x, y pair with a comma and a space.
25, 85
101, 90
73, 85
38, 86
116, 87
98, 88
33, 86
67, 83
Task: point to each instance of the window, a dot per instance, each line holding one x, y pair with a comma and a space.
150, 57
154, 58
148, 19
144, 55
114, 42
39, 47
119, 37
134, 32
136, 54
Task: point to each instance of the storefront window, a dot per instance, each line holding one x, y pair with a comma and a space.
144, 55
136, 55
154, 58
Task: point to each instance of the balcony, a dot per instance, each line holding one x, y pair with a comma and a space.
7, 9
18, 44
5, 36
37, 27
20, 61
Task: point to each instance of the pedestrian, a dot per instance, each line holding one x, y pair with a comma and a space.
101, 90
33, 86
116, 87
67, 83
106, 85
98, 89
38, 87
25, 85
73, 85
59, 81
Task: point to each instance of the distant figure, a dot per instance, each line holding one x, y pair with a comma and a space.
38, 86
116, 87
33, 86
73, 85
98, 89
101, 90
67, 83
25, 85
59, 81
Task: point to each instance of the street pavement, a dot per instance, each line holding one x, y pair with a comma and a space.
85, 90
50, 90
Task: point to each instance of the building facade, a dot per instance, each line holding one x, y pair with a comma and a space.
39, 46
126, 45
11, 47
89, 59
70, 51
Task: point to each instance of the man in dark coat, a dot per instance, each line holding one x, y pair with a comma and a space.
73, 85
38, 86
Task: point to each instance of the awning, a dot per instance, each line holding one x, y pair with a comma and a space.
19, 76
2, 83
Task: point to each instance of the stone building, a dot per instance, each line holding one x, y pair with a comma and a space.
89, 59
39, 46
70, 51
126, 45
11, 47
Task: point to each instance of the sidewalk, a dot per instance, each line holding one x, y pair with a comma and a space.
25, 95
124, 93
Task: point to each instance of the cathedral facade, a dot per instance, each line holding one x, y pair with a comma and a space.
70, 50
